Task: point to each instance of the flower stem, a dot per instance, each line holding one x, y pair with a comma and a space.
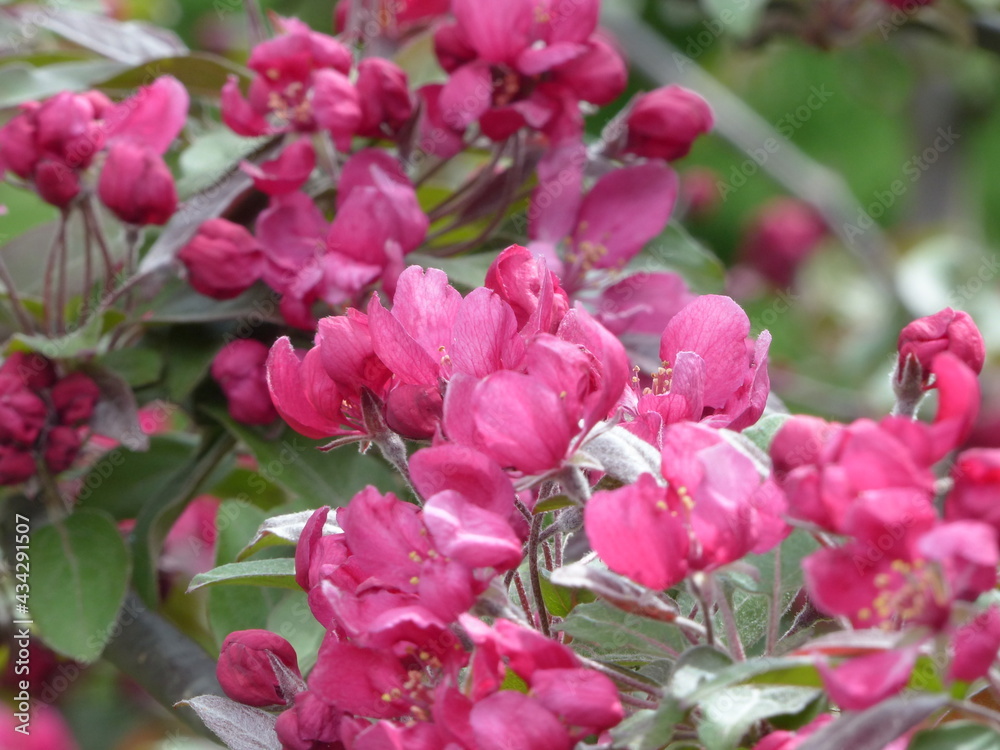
536, 581
774, 615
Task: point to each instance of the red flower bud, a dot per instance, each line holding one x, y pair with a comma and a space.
223, 259
56, 183
74, 397
34, 370
949, 330
782, 236
245, 671
62, 444
18, 151
385, 97
240, 371
22, 413
16, 465
664, 123
136, 185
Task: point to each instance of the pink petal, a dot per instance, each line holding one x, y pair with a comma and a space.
716, 328
470, 534
336, 106
153, 116
509, 719
637, 533
285, 174
497, 31
484, 338
625, 210
286, 381
866, 680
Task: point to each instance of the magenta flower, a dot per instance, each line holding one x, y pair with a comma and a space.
605, 228
223, 259
239, 369
286, 173
783, 235
532, 291
976, 475
951, 331
640, 531
975, 645
864, 681
301, 86
664, 123
245, 671
513, 66
386, 102
303, 394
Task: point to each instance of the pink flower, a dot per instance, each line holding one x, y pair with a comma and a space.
303, 394
137, 185
509, 71
663, 124
301, 86
245, 671
22, 413
606, 228
782, 740
904, 578
74, 398
62, 445
223, 259
190, 546
386, 103
48, 730
309, 724
17, 465
863, 681
532, 291
783, 235
239, 369
976, 474
32, 369
640, 532
286, 173
951, 331
975, 645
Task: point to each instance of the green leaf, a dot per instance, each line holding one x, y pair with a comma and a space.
960, 735
213, 155
249, 487
604, 632
467, 271
560, 600
762, 434
556, 502
676, 250
649, 730
131, 42
236, 607
137, 366
20, 82
83, 340
727, 715
79, 575
292, 619
165, 506
695, 667
297, 464
282, 530
279, 572
121, 481
203, 74
878, 726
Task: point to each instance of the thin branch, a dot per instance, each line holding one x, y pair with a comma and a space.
536, 581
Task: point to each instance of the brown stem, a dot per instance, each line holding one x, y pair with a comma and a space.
536, 581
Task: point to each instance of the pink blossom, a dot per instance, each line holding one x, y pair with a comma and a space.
664, 123
239, 369
223, 259
975, 645
863, 681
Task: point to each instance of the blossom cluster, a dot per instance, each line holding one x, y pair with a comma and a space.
43, 417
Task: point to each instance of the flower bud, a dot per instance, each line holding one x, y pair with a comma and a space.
56, 183
136, 185
783, 235
664, 123
22, 413
385, 97
62, 445
239, 369
949, 330
16, 465
74, 397
223, 259
245, 671
18, 151
34, 370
